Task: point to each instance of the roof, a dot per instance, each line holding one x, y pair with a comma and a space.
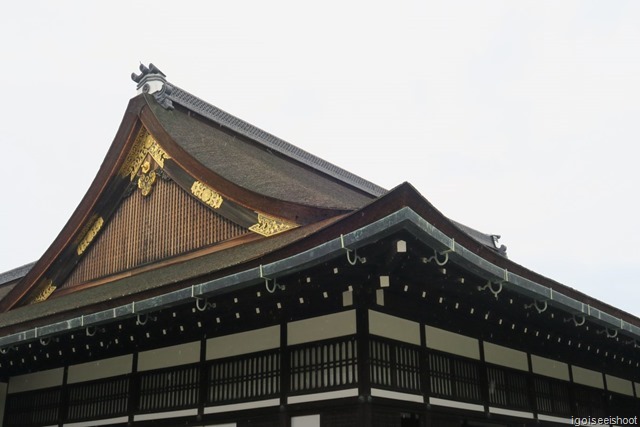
268, 185
215, 114
255, 166
16, 273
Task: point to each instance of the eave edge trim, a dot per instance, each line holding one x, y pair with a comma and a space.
405, 218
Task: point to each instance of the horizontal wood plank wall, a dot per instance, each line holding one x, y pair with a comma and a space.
166, 223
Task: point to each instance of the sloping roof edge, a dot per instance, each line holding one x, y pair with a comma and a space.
404, 218
215, 114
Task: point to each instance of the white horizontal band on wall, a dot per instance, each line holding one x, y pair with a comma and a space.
243, 343
511, 412
100, 369
321, 327
36, 380
552, 419
104, 422
315, 397
455, 404
242, 406
407, 397
161, 415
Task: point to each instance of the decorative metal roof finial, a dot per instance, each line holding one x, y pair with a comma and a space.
153, 81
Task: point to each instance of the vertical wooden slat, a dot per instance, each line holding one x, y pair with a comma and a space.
166, 223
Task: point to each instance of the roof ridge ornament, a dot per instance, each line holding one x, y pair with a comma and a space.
153, 81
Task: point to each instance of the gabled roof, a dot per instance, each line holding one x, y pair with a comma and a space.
288, 208
234, 267
249, 178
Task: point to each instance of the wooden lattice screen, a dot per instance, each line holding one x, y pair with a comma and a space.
166, 223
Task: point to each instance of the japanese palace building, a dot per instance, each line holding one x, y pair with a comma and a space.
215, 275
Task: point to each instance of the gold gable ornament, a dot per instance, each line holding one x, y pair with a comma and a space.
147, 179
45, 293
144, 145
90, 235
268, 226
206, 194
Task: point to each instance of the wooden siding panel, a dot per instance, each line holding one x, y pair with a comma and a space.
166, 223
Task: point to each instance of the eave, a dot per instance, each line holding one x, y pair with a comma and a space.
401, 209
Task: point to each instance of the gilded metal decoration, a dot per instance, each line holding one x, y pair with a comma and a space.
90, 235
155, 151
268, 226
146, 179
206, 194
145, 183
144, 145
46, 292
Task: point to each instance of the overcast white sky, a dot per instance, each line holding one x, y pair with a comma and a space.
516, 118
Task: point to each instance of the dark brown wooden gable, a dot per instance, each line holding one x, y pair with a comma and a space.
145, 229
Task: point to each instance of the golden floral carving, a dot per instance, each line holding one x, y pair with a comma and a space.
207, 194
45, 293
144, 145
90, 235
268, 226
145, 183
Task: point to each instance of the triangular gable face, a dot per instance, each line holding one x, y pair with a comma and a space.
178, 179
151, 210
157, 221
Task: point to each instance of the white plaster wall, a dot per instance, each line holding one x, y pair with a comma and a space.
98, 369
306, 421
243, 342
36, 380
174, 355
619, 385
505, 356
439, 339
549, 367
388, 326
322, 327
587, 377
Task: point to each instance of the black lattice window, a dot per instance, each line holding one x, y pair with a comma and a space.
589, 401
98, 399
244, 377
552, 396
324, 365
33, 408
508, 388
170, 388
623, 406
394, 365
440, 376
454, 377
466, 380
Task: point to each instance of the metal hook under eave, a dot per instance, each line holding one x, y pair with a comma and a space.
435, 258
90, 331
489, 286
206, 305
45, 341
581, 322
275, 286
356, 258
140, 322
534, 304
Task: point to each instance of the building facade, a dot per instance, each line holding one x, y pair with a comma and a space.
215, 275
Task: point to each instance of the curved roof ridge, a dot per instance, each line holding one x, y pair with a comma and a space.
274, 143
